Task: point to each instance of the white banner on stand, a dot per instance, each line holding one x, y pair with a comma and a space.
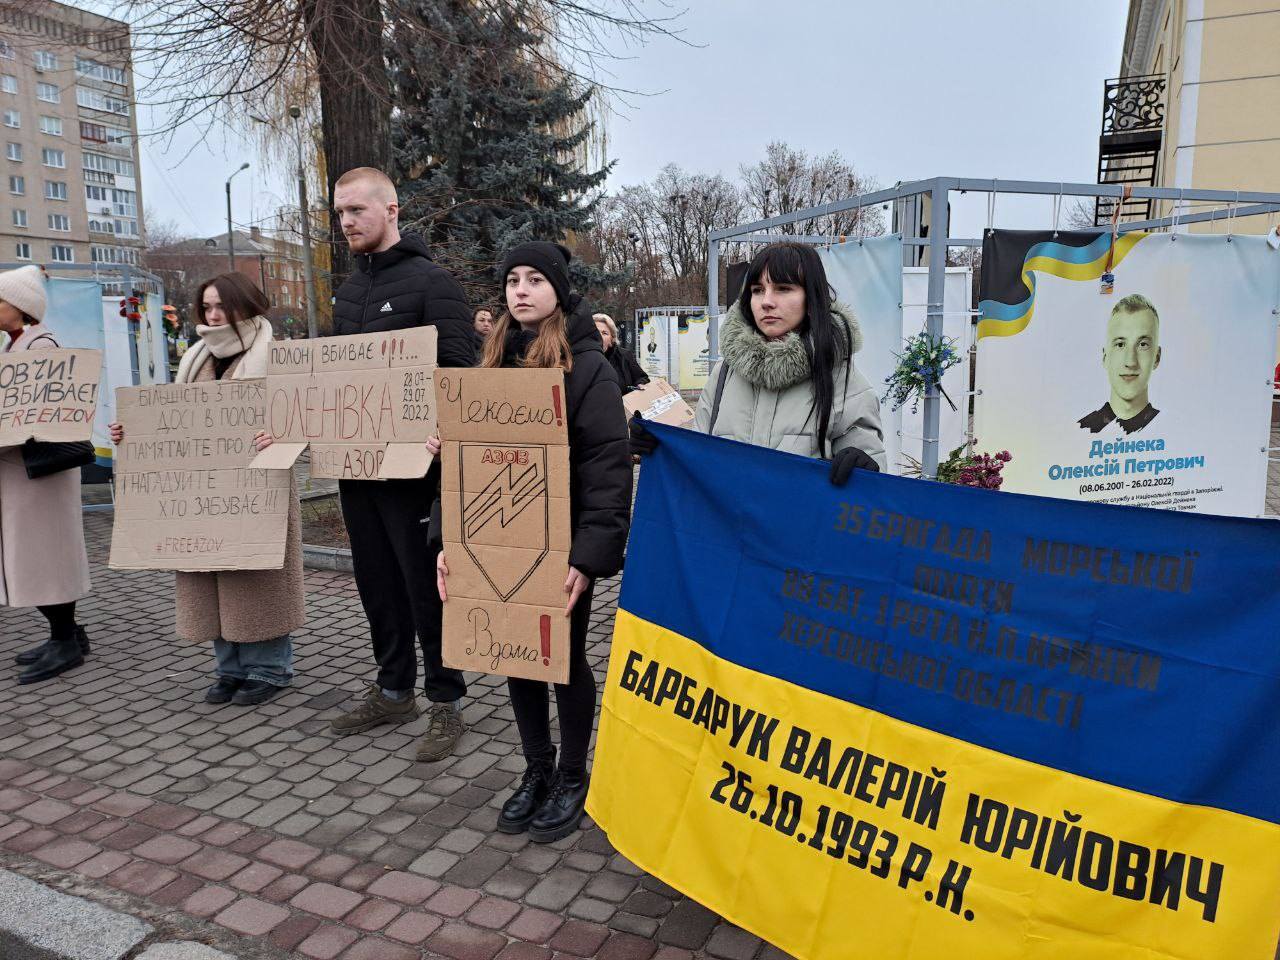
1155, 393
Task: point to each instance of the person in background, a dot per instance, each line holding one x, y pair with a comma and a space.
247, 615
43, 563
482, 323
547, 326
787, 380
623, 361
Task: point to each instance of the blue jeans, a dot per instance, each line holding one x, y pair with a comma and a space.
270, 661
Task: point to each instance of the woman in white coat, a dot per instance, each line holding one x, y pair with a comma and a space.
42, 556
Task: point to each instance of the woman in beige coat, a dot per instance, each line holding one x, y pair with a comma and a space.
247, 615
42, 558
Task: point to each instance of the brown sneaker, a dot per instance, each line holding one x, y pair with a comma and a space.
442, 734
376, 709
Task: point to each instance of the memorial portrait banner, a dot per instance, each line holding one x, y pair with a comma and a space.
902, 719
504, 495
48, 395
364, 404
1151, 389
185, 495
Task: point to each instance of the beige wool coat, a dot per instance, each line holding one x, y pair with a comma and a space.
243, 606
42, 555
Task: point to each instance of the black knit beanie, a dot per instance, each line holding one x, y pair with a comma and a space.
549, 259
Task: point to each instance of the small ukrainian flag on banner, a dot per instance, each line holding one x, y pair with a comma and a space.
903, 719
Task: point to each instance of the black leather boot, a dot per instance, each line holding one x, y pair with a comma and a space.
527, 800
60, 654
30, 656
561, 812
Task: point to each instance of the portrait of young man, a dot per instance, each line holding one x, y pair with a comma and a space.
1130, 355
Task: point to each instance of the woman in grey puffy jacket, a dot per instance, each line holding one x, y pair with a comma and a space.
787, 379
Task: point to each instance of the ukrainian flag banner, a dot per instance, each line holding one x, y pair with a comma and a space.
903, 719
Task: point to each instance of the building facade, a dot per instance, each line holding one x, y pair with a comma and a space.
273, 261
1197, 102
69, 190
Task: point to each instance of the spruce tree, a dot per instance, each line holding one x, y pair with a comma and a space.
487, 136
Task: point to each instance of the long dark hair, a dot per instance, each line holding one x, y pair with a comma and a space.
240, 296
799, 264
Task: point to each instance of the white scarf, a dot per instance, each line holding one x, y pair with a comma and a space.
222, 340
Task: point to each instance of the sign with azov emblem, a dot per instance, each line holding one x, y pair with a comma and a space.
505, 515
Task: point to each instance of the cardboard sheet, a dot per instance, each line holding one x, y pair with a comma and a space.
657, 400
186, 497
48, 395
364, 404
505, 515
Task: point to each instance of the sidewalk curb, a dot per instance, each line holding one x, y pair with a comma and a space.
327, 558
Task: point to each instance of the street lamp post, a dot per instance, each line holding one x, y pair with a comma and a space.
231, 244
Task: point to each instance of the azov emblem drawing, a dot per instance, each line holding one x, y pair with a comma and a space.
505, 511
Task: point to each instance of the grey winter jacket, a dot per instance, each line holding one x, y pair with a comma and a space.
768, 397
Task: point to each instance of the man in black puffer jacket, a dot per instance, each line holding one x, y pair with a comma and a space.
395, 285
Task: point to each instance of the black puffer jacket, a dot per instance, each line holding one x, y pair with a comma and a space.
599, 452
402, 287
624, 363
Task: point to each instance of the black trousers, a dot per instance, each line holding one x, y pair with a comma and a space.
575, 700
395, 571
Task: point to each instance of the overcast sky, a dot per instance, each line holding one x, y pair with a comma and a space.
906, 89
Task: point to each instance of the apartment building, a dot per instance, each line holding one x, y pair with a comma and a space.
1197, 103
69, 187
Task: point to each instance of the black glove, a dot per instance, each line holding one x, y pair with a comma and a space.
843, 463
643, 442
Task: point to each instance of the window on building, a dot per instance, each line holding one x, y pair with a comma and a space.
105, 164
124, 203
48, 92
99, 71
60, 222
14, 152
12, 118
51, 125
55, 190
97, 100
53, 158
6, 50
19, 218
125, 228
62, 253
8, 83
22, 250
17, 185
46, 60
100, 254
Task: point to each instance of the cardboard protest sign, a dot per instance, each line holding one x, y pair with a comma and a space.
657, 400
363, 403
505, 513
48, 395
186, 497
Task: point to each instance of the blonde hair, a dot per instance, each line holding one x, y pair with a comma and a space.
608, 322
379, 183
550, 347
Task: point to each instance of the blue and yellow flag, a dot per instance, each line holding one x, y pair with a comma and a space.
911, 720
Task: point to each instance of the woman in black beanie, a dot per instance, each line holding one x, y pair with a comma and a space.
547, 325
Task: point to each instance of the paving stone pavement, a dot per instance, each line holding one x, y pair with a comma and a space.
262, 821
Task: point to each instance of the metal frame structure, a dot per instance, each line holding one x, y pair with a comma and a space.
939, 190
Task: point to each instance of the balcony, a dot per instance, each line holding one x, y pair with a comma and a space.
1129, 146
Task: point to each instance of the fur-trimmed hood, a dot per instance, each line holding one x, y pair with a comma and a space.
778, 364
